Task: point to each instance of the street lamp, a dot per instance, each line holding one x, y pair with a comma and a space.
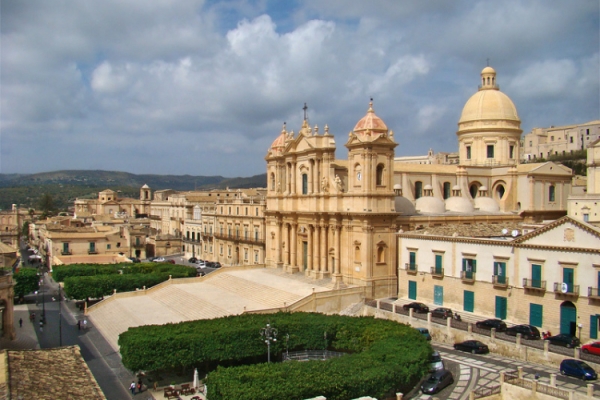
269, 335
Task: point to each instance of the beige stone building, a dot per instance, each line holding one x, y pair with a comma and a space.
11, 223
7, 295
558, 140
238, 237
488, 178
544, 276
334, 218
586, 206
109, 203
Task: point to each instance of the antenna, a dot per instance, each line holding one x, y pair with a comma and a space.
305, 108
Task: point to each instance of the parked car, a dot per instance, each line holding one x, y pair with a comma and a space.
135, 260
498, 324
442, 312
563, 339
527, 331
216, 264
171, 261
418, 307
472, 346
159, 259
436, 362
591, 348
193, 260
578, 369
437, 381
424, 332
201, 264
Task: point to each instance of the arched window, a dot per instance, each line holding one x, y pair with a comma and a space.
304, 184
552, 193
379, 178
418, 189
357, 253
500, 191
473, 189
446, 190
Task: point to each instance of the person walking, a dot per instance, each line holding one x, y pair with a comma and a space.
132, 387
20, 322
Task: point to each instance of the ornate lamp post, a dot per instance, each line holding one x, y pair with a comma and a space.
269, 334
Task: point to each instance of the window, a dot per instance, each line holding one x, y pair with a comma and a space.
245, 254
237, 211
500, 272
530, 143
571, 139
65, 248
246, 210
439, 264
380, 254
468, 152
118, 244
108, 246
257, 211
511, 152
586, 217
418, 189
469, 268
92, 247
304, 184
256, 257
379, 178
221, 249
551, 193
446, 190
501, 306
412, 260
536, 275
490, 151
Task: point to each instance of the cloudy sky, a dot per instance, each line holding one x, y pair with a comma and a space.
203, 87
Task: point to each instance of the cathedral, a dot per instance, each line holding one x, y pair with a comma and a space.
339, 218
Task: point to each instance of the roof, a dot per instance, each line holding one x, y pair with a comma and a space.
58, 373
480, 230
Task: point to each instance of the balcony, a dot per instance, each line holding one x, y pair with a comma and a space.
66, 253
240, 238
534, 284
139, 245
411, 268
594, 293
90, 251
467, 276
437, 272
500, 281
566, 289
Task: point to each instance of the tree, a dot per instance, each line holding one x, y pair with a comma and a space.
47, 206
27, 281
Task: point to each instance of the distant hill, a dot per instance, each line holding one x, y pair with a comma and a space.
66, 186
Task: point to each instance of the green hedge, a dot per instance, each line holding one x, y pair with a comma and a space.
384, 356
82, 281
26, 281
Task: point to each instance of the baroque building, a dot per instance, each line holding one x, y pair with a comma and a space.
559, 140
334, 218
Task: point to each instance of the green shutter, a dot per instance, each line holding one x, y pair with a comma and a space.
413, 258
438, 263
464, 264
500, 307
536, 313
469, 301
536, 276
438, 295
474, 265
568, 278
593, 327
412, 290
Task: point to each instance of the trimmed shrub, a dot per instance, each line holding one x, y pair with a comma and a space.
383, 356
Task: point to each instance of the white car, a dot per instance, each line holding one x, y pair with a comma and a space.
159, 259
201, 264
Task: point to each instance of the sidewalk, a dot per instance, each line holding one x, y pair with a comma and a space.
26, 335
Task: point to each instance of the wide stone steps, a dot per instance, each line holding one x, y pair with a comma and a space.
188, 305
113, 319
253, 291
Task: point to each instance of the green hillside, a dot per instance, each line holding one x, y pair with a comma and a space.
66, 186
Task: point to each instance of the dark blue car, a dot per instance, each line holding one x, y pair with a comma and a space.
578, 369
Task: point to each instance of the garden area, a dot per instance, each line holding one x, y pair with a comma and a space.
94, 281
381, 358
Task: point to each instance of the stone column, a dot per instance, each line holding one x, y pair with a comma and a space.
279, 242
311, 239
294, 247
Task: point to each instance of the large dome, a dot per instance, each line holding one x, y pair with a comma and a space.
489, 103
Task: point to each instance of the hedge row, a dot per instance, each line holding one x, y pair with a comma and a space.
384, 356
82, 281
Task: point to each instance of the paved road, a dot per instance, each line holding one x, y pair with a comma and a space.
483, 371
